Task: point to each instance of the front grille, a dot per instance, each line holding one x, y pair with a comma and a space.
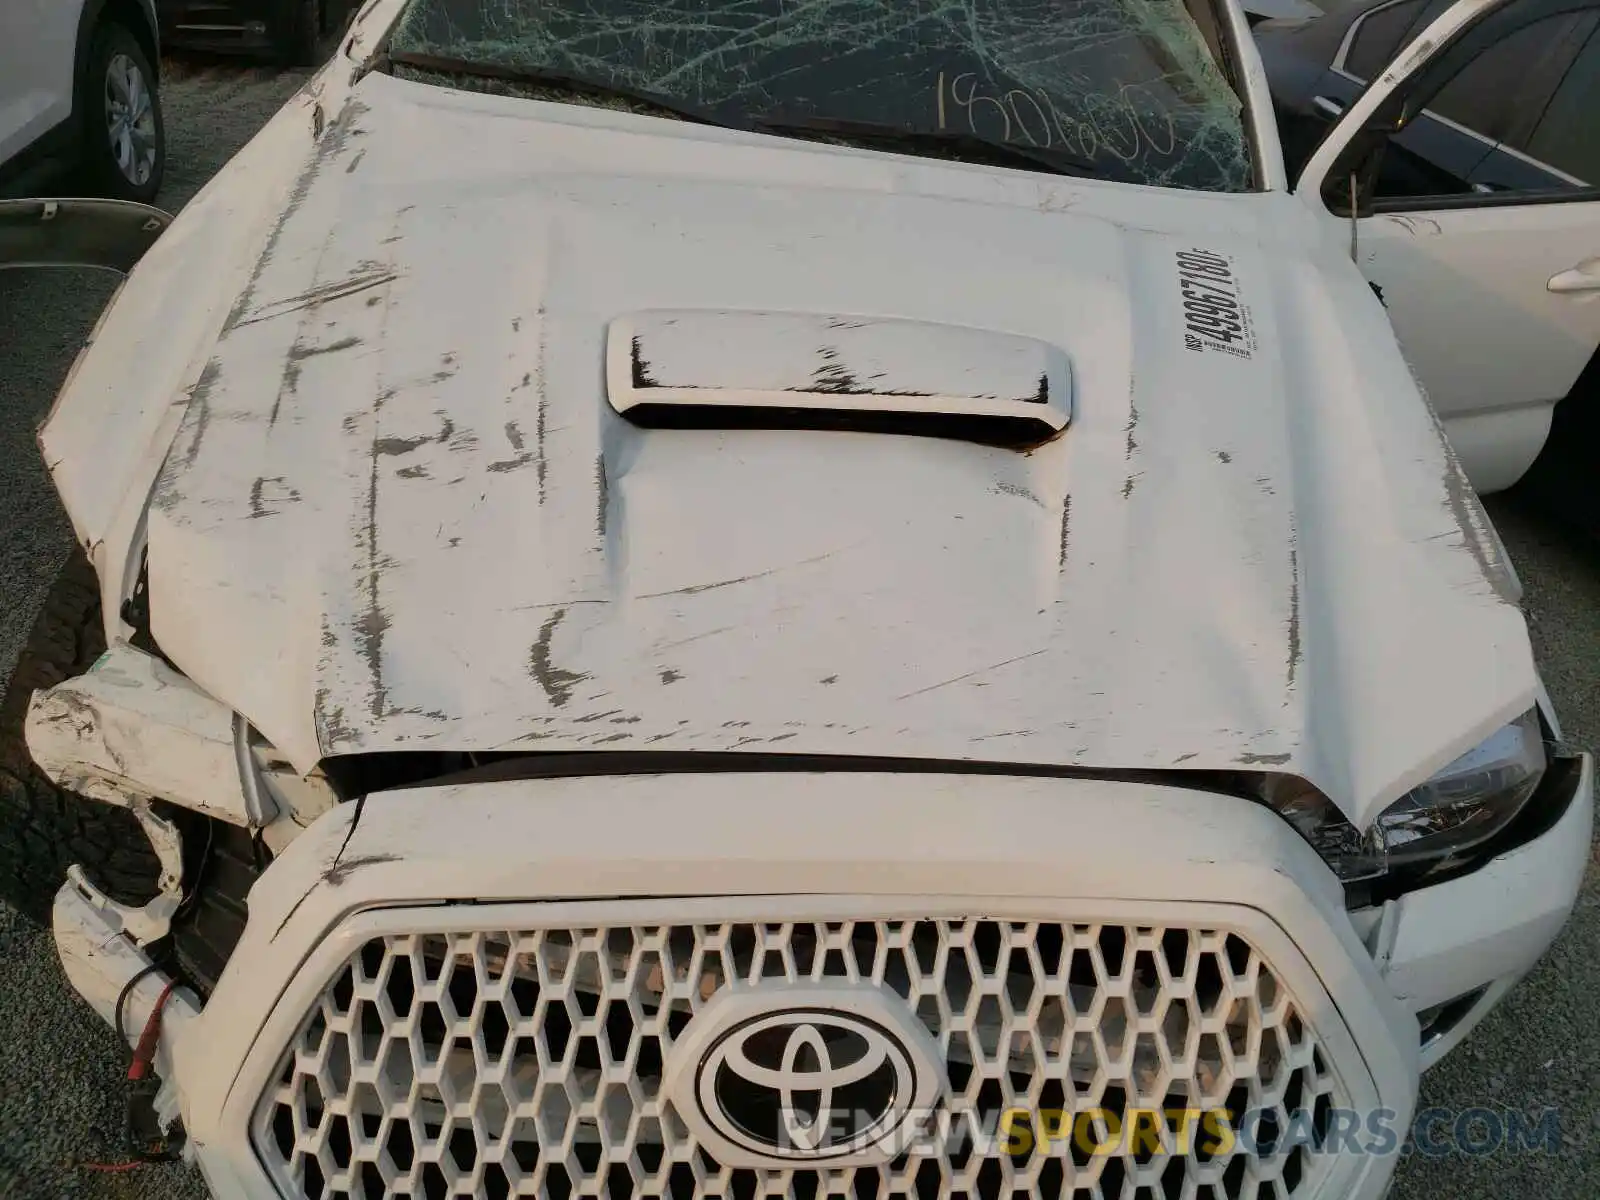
529, 1062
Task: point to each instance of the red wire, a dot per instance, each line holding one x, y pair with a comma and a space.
145, 1053
143, 1058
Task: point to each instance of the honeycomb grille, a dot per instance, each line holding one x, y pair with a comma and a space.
529, 1063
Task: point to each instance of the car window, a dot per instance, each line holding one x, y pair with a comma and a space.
1568, 136
1385, 31
1493, 99
1134, 86
1482, 95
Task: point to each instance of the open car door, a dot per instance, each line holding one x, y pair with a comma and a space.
1493, 284
110, 235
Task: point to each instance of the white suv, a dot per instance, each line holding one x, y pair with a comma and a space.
840, 599
78, 88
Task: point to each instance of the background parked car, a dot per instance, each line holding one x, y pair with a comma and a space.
1257, 11
1484, 238
295, 32
79, 89
1513, 119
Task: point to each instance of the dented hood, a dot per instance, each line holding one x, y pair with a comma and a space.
400, 513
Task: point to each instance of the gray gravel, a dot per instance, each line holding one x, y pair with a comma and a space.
60, 1074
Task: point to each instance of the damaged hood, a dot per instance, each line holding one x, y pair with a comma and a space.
399, 512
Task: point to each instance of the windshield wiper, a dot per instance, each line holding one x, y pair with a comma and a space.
562, 80
954, 141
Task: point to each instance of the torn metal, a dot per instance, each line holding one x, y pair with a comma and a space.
132, 729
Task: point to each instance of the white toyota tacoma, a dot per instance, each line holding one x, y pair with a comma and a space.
741, 599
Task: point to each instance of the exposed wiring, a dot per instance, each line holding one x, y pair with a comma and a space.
144, 1055
200, 872
147, 1140
122, 1000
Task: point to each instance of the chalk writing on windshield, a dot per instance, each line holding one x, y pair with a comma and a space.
1119, 127
1131, 84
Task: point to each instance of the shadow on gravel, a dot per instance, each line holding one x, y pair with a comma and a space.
191, 66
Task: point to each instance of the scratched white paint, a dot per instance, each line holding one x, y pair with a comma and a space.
119, 407
398, 511
836, 361
134, 729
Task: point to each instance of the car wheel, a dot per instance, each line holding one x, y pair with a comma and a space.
45, 829
301, 29
125, 143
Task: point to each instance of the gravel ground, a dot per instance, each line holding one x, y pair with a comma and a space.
60, 1091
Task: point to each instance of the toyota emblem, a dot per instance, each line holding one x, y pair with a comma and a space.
791, 1083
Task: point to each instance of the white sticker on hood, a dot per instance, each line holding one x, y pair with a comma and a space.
1213, 316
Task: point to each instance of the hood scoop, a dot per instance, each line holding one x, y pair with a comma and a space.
722, 369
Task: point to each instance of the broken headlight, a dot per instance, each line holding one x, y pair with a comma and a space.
1459, 807
1470, 800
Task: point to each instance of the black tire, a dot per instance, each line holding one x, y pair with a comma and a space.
300, 37
1562, 480
104, 175
45, 829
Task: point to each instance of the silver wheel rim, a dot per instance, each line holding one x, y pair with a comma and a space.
130, 120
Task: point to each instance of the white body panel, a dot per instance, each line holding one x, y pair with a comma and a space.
1471, 298
38, 45
134, 728
1498, 307
1154, 588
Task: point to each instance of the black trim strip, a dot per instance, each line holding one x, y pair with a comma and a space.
511, 766
1423, 205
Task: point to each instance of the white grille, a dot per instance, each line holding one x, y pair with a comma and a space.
529, 1062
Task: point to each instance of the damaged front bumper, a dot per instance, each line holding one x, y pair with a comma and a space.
481, 984
390, 1004
106, 964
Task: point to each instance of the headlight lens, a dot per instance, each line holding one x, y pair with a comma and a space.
1470, 800
1462, 805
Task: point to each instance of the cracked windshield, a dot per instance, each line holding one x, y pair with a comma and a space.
1130, 90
